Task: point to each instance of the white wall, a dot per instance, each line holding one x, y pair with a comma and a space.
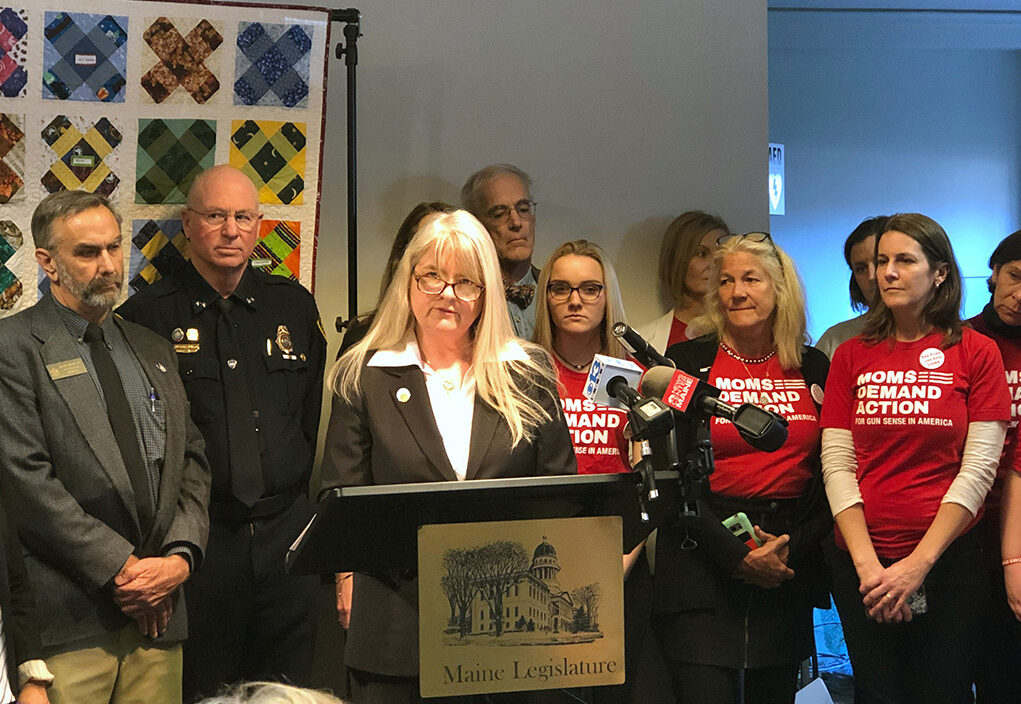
624, 114
883, 112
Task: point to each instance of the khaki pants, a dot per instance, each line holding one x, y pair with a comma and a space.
120, 669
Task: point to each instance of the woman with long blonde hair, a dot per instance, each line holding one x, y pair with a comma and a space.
577, 306
735, 615
439, 389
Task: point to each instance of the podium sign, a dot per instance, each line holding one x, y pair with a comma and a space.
509, 606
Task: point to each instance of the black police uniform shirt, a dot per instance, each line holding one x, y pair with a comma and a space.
282, 350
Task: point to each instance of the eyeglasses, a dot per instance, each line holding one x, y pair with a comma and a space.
750, 236
464, 289
561, 291
244, 219
524, 208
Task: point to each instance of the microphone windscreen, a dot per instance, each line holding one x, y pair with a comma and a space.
674, 387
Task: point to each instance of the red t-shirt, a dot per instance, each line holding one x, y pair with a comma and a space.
1010, 349
596, 431
741, 470
678, 332
908, 405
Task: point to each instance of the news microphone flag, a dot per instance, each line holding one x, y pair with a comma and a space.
605, 368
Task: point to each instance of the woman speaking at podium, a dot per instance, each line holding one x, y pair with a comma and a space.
733, 616
915, 415
439, 389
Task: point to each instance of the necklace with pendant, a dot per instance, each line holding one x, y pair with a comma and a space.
448, 380
572, 365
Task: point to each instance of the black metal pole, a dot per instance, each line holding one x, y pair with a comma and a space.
349, 52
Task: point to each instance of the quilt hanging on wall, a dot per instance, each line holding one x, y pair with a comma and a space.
135, 99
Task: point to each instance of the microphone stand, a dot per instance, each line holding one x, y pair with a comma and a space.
698, 463
348, 50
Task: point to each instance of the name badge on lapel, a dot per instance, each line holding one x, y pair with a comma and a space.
62, 370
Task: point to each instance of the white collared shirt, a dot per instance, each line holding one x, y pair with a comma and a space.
453, 404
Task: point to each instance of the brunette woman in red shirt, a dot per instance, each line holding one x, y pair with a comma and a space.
915, 414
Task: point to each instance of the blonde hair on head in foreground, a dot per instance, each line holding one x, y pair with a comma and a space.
271, 693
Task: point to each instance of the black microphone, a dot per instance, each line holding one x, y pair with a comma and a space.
764, 430
642, 350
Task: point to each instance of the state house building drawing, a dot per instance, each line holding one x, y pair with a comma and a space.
533, 600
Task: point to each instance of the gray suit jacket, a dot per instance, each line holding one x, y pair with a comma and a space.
72, 497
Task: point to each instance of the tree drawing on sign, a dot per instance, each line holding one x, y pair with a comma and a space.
586, 614
500, 565
459, 584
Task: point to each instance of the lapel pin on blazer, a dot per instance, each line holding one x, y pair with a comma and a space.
159, 365
403, 395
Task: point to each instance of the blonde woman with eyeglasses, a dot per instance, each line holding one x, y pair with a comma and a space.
734, 614
439, 389
573, 323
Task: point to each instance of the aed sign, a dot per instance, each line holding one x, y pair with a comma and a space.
777, 185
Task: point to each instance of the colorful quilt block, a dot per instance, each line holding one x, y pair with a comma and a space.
278, 250
83, 158
13, 52
158, 248
12, 156
182, 61
171, 153
85, 57
11, 288
272, 153
272, 64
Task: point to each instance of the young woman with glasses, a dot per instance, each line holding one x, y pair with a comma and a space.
573, 323
915, 415
734, 618
439, 389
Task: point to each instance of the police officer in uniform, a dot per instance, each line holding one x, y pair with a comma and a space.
251, 350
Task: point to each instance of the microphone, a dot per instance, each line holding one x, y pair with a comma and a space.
651, 421
603, 387
764, 430
678, 389
642, 350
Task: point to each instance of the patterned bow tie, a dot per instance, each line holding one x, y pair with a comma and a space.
520, 294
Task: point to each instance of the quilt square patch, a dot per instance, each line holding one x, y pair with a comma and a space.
85, 57
13, 52
83, 158
181, 59
12, 156
158, 248
272, 153
278, 250
11, 240
272, 64
171, 153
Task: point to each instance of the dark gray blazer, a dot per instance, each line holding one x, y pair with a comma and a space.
71, 494
382, 440
21, 614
